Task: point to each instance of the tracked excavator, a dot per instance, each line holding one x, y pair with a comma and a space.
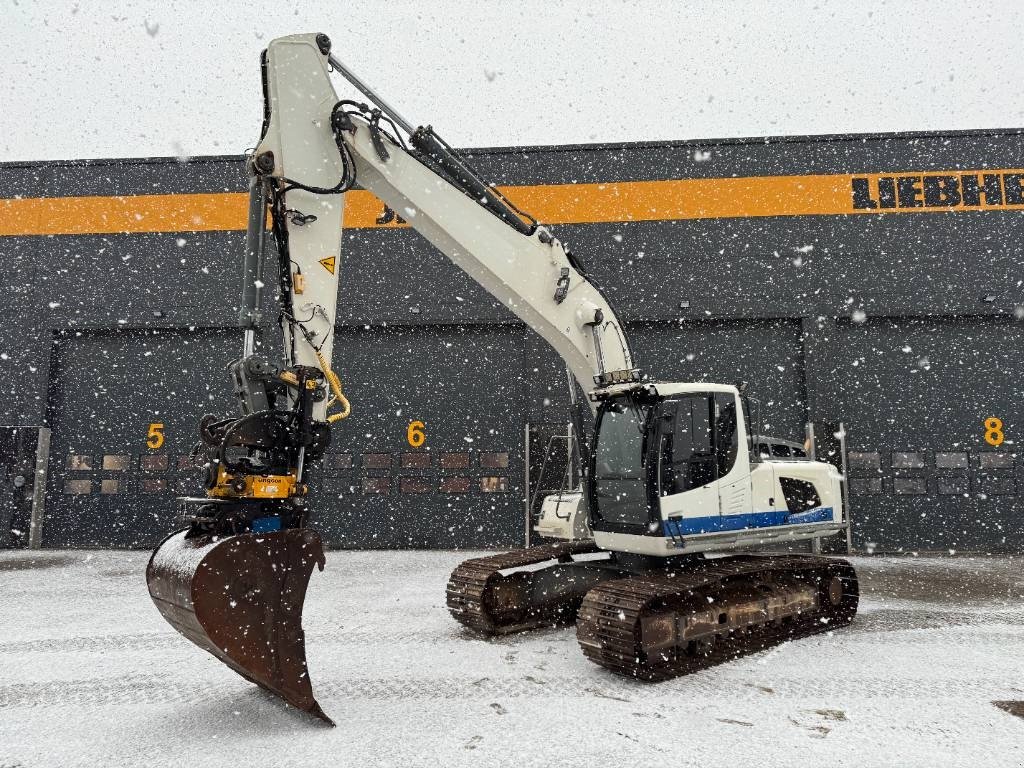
654, 557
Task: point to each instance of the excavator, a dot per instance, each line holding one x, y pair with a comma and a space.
659, 556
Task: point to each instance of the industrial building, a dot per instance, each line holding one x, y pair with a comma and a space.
872, 282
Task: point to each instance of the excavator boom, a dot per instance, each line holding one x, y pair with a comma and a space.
444, 200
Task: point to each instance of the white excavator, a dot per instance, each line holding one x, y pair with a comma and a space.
653, 557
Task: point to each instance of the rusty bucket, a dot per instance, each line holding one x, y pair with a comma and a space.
240, 598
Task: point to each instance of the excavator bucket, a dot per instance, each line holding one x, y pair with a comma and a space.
240, 598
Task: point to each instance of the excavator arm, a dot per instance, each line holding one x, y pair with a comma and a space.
310, 133
234, 580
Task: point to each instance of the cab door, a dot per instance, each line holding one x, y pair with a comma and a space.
687, 467
734, 486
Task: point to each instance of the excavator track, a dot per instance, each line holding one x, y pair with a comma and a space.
485, 600
661, 625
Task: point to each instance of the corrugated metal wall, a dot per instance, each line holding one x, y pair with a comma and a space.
902, 325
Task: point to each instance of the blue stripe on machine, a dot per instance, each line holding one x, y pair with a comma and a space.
266, 524
681, 526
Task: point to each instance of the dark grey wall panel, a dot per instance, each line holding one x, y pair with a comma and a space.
744, 297
114, 280
394, 276
713, 158
106, 389
154, 176
465, 384
811, 265
766, 267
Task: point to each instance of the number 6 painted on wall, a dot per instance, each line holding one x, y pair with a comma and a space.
415, 434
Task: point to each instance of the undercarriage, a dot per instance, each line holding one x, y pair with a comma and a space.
655, 618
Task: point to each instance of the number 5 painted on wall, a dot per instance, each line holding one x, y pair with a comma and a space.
155, 436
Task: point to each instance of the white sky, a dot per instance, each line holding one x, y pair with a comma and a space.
121, 79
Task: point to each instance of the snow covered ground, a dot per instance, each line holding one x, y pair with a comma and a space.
90, 675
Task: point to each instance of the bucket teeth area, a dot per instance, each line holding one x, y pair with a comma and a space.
240, 598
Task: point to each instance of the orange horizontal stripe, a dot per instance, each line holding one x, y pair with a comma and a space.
623, 201
686, 199
124, 213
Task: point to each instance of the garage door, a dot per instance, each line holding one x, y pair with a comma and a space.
124, 409
432, 454
926, 470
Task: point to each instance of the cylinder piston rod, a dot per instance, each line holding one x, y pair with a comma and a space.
368, 92
252, 267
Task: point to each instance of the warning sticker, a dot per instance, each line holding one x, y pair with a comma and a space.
328, 264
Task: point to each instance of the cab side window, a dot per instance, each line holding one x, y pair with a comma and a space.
699, 441
726, 432
687, 448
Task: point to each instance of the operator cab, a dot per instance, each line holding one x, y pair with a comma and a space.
674, 468
660, 448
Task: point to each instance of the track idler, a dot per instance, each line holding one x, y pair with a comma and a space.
240, 598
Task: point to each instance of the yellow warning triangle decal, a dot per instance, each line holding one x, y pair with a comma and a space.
328, 264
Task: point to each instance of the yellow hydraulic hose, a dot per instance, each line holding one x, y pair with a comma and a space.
339, 396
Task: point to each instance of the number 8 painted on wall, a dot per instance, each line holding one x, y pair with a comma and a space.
994, 431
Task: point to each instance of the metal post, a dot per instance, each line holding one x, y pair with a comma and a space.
812, 454
846, 488
568, 457
526, 486
39, 482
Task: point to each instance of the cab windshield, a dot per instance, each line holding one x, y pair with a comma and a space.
620, 488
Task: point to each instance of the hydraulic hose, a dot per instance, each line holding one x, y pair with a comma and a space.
335, 383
